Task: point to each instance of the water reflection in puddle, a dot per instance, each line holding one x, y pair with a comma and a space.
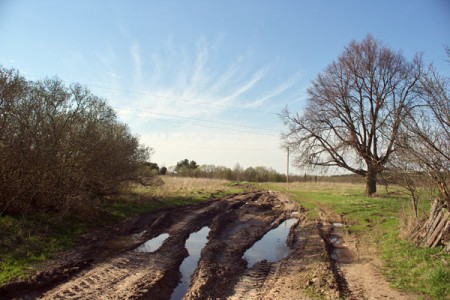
194, 245
335, 255
272, 247
335, 241
153, 244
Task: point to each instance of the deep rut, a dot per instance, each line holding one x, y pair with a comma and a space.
116, 271
138, 275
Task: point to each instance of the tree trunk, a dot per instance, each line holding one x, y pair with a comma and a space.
371, 182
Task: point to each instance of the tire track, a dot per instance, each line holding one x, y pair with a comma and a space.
131, 275
236, 222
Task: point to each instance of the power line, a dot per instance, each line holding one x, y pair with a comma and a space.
188, 118
165, 97
213, 147
201, 120
180, 99
214, 127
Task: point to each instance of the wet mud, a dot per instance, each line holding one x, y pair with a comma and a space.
144, 258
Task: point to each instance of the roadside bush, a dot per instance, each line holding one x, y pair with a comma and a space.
60, 146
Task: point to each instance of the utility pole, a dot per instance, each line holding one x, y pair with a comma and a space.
287, 166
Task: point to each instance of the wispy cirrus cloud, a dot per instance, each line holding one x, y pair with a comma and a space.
198, 77
197, 101
278, 90
192, 81
245, 87
137, 62
225, 77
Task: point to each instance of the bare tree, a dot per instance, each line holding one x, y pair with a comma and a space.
424, 148
426, 136
354, 111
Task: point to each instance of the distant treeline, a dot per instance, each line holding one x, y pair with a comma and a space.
60, 146
186, 168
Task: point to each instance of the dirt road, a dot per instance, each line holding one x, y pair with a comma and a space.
112, 265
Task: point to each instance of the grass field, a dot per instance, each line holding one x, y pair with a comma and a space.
378, 220
26, 241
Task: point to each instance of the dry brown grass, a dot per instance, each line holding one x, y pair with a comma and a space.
184, 187
189, 184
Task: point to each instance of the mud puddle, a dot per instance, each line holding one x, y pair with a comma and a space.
339, 251
161, 268
194, 245
272, 247
153, 244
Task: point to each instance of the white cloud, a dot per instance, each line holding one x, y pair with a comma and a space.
198, 77
247, 86
187, 82
135, 54
168, 91
282, 87
225, 78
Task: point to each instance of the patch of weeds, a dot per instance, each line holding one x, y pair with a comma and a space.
121, 208
27, 241
417, 269
10, 268
439, 279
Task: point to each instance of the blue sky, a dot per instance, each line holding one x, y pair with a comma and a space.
206, 80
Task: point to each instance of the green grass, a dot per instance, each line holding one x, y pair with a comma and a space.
27, 241
423, 271
122, 207
415, 269
347, 200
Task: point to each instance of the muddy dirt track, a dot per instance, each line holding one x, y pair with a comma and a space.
108, 266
